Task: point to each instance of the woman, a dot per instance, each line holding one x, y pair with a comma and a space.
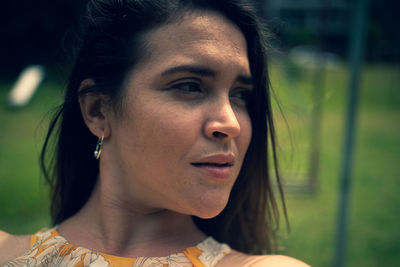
175, 93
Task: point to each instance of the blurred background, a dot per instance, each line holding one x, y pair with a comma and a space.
318, 57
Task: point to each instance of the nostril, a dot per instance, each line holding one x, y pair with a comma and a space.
219, 134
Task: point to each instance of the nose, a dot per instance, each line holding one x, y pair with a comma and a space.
222, 122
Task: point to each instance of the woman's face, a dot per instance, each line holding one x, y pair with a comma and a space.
184, 132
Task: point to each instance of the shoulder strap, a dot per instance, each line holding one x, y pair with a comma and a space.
208, 253
193, 253
42, 235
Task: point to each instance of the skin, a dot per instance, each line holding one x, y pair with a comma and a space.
173, 116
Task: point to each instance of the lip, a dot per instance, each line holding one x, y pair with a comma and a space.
218, 159
217, 166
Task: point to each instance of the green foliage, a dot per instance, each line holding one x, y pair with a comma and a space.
373, 223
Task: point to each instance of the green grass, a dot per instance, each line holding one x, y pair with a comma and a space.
373, 232
23, 195
374, 235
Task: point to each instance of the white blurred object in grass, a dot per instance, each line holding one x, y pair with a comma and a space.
311, 57
26, 85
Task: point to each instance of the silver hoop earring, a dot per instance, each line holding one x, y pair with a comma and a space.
99, 147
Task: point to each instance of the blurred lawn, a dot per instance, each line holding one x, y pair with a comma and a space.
374, 234
23, 195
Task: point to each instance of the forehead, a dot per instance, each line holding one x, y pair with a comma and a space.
200, 37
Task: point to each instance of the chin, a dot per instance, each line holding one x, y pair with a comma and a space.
207, 215
210, 209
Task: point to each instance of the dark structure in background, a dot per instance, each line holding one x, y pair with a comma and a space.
33, 32
299, 24
40, 32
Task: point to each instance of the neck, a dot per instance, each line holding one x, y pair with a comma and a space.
110, 225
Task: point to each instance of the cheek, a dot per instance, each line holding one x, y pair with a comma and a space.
165, 130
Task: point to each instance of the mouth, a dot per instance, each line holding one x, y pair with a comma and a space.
216, 160
212, 164
217, 166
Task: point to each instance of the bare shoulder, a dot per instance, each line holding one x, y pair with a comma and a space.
278, 261
236, 258
12, 246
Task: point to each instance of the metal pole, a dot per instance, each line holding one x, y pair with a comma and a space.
319, 82
356, 49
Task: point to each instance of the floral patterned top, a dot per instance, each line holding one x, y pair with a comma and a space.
48, 248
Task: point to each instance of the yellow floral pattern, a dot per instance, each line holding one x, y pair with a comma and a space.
48, 248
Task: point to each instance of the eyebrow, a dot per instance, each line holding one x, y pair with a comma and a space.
245, 79
204, 71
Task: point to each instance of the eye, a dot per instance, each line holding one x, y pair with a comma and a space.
241, 96
187, 87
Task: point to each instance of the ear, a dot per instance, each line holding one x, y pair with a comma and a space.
94, 109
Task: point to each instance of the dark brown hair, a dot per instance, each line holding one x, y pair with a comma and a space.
111, 44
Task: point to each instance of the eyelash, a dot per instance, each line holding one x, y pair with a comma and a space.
194, 88
245, 95
191, 84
